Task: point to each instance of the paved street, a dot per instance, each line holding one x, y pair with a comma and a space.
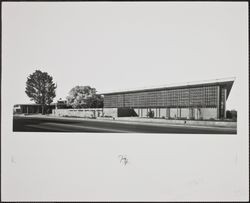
45, 124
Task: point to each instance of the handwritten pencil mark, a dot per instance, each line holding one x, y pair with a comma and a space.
13, 161
123, 159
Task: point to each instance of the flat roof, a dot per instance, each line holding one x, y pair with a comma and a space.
30, 104
227, 81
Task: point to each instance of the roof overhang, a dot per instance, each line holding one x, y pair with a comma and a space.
226, 82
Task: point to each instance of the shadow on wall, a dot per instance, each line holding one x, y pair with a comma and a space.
127, 112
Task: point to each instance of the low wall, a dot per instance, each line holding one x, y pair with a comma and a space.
110, 112
78, 112
87, 113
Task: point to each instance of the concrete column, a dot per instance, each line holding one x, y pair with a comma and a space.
190, 113
225, 99
168, 112
218, 102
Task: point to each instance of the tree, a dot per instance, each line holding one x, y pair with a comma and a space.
40, 88
231, 114
228, 114
84, 97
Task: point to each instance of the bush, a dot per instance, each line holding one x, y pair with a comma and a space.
106, 116
150, 114
234, 119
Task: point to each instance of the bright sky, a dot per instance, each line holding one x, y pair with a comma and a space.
113, 46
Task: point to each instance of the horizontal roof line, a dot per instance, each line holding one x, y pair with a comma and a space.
34, 104
221, 80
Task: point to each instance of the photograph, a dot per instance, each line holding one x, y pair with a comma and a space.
197, 107
124, 101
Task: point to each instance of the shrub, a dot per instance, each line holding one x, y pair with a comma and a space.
234, 119
150, 114
107, 116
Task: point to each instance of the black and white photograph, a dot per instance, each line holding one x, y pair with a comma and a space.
124, 101
189, 108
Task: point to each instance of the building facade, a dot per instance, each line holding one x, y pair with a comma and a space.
31, 108
201, 100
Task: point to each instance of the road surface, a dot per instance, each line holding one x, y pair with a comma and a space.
45, 124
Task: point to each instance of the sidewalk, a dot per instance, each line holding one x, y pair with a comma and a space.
176, 122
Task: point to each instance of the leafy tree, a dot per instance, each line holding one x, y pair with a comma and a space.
231, 114
228, 114
84, 97
41, 88
96, 101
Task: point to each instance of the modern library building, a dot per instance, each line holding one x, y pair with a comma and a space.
195, 100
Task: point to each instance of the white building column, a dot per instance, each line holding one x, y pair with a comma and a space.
225, 99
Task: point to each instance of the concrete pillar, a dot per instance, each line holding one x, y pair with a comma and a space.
218, 102
168, 112
225, 99
190, 113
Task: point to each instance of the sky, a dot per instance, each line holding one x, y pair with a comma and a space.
117, 46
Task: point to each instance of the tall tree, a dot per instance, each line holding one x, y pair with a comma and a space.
41, 88
84, 97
